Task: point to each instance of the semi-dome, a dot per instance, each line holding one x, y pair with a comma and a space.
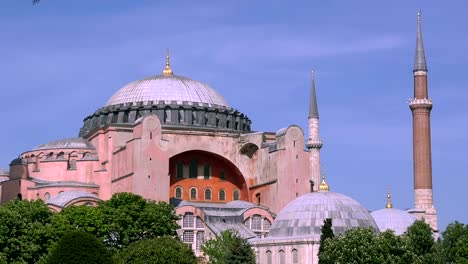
393, 219
304, 216
168, 88
68, 143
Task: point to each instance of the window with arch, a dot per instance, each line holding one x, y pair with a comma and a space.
167, 115
193, 193
193, 231
222, 195
72, 161
206, 171
236, 195
180, 170
194, 116
205, 119
46, 196
193, 169
268, 257
208, 194
180, 115
282, 257
295, 256
178, 192
260, 225
35, 162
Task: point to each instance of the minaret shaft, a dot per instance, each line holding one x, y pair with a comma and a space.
422, 149
314, 144
421, 106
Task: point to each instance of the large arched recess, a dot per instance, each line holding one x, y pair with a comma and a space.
216, 182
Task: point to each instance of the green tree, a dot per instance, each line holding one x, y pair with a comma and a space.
129, 218
78, 247
420, 241
86, 218
326, 232
161, 250
24, 231
454, 233
461, 253
354, 246
229, 248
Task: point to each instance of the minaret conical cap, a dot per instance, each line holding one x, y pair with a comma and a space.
420, 57
313, 109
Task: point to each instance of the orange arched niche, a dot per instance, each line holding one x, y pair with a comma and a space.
223, 176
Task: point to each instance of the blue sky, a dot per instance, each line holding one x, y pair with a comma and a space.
62, 60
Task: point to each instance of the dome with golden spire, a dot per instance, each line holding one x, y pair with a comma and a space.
169, 88
392, 219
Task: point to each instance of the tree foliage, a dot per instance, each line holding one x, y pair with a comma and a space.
455, 243
162, 250
130, 218
363, 245
326, 232
229, 248
24, 231
78, 247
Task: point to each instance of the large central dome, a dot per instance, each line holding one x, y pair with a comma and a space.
178, 102
167, 88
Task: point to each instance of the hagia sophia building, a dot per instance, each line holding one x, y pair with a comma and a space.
171, 138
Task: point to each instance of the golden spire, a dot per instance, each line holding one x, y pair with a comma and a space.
389, 199
168, 71
323, 185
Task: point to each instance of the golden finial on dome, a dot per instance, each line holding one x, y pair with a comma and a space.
168, 71
323, 185
389, 199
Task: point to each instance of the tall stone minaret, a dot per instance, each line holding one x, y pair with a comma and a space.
314, 143
421, 106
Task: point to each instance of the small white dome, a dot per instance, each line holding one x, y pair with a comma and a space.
304, 216
393, 219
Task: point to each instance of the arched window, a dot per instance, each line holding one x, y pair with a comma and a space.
207, 194
46, 197
193, 169
295, 256
236, 195
194, 116
205, 118
282, 257
206, 171
72, 161
178, 192
167, 115
222, 195
266, 225
188, 221
181, 116
180, 170
268, 257
193, 193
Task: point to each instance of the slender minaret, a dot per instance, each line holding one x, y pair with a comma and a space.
421, 106
314, 143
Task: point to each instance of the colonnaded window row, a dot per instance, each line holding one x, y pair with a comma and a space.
196, 170
208, 196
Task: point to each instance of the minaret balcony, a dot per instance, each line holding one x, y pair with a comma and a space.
424, 101
314, 143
